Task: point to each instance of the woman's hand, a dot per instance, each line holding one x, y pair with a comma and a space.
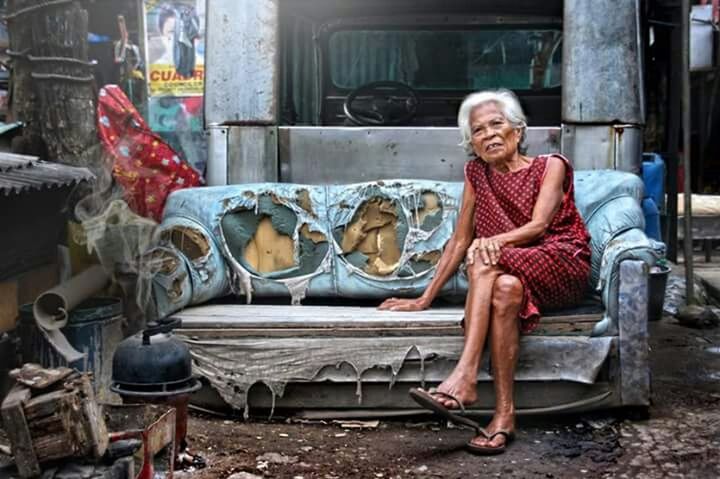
487, 249
397, 304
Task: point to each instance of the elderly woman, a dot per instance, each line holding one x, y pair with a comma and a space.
525, 248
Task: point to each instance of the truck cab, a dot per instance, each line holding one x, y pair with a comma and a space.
336, 175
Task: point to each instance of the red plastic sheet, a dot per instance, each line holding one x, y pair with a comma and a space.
147, 168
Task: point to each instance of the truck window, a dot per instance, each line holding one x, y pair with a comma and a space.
519, 59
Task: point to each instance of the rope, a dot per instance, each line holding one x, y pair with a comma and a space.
59, 59
56, 76
21, 54
39, 6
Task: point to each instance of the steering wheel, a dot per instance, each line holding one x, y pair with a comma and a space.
381, 103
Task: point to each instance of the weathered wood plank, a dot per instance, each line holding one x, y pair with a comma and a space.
267, 317
53, 446
94, 424
45, 405
550, 329
318, 332
18, 432
46, 425
36, 377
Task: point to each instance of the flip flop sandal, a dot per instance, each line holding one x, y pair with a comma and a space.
426, 400
489, 450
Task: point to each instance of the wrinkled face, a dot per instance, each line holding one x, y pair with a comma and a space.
493, 138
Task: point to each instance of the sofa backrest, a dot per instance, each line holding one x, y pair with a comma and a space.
318, 225
609, 202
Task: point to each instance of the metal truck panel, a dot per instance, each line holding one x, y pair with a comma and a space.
327, 155
598, 147
216, 172
241, 62
252, 154
602, 62
701, 37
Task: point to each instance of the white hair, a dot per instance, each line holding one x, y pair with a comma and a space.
505, 100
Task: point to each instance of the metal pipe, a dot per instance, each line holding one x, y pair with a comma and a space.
672, 142
687, 192
52, 308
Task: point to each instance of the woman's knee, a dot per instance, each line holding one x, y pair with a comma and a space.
478, 270
507, 291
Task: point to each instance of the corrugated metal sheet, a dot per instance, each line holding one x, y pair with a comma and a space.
20, 174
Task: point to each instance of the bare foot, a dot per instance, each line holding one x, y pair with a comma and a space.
461, 384
499, 422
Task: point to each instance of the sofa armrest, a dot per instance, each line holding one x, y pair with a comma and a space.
631, 244
633, 333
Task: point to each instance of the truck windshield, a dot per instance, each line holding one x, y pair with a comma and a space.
519, 59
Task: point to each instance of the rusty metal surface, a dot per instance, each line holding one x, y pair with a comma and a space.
602, 53
20, 174
241, 62
327, 155
154, 424
598, 147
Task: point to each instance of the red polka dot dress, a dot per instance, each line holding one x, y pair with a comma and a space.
555, 269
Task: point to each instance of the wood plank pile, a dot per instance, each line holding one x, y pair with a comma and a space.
52, 414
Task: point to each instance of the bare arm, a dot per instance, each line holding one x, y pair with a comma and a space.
547, 205
451, 258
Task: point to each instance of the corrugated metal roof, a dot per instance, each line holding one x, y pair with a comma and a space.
21, 173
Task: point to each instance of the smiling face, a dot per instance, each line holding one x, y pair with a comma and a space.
493, 138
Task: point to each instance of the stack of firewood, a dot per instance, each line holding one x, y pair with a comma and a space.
51, 414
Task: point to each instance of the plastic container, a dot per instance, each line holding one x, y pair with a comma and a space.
657, 281
653, 174
93, 328
652, 219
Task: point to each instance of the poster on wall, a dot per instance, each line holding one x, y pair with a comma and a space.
178, 121
175, 47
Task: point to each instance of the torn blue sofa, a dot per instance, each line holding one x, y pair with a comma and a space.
206, 249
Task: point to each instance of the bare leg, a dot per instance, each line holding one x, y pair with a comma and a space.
505, 344
462, 382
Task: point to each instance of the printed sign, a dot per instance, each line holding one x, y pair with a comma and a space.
175, 47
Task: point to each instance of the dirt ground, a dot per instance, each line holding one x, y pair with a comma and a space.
681, 438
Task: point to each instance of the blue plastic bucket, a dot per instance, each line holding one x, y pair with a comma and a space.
653, 174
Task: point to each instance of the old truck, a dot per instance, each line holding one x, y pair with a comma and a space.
336, 177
